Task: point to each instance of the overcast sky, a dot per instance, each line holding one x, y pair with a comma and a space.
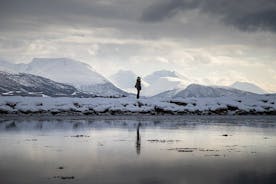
211, 41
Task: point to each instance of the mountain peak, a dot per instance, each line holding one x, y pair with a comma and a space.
164, 73
125, 72
125, 79
197, 90
65, 70
65, 62
153, 77
250, 87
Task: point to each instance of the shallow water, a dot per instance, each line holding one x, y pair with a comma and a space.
169, 149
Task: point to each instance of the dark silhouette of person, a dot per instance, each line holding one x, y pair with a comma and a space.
138, 86
138, 140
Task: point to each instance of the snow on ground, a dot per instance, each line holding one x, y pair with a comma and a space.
250, 104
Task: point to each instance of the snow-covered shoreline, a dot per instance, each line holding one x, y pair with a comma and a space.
225, 105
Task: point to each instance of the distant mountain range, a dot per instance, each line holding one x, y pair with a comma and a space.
168, 83
124, 79
155, 76
80, 78
164, 80
153, 83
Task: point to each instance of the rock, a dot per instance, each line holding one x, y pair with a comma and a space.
80, 136
184, 150
65, 177
178, 103
11, 105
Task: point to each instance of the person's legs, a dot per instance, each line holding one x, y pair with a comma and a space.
138, 94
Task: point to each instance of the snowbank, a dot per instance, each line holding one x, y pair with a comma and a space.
231, 105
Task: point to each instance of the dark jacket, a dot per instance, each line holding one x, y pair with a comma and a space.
138, 84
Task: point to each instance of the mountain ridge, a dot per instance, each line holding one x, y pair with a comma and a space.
72, 72
23, 84
86, 79
202, 91
250, 87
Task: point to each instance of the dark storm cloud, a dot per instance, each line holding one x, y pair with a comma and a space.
248, 15
261, 20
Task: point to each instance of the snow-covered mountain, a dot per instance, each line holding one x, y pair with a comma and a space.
155, 76
167, 94
31, 85
163, 84
199, 91
11, 67
160, 83
126, 79
65, 70
164, 80
196, 90
123, 78
72, 72
152, 84
246, 86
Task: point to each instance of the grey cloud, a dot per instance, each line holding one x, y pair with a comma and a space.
165, 9
61, 9
126, 37
248, 15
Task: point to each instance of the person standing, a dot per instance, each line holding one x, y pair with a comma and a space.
138, 86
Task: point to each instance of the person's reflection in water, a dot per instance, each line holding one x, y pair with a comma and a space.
138, 139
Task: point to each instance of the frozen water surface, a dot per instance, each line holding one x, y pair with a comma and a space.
167, 149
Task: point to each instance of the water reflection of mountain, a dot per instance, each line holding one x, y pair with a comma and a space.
173, 122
